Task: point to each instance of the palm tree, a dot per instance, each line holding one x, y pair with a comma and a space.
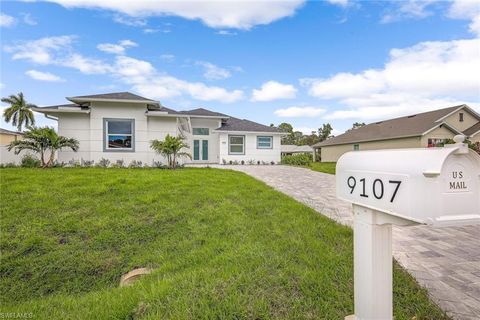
19, 112
42, 141
171, 148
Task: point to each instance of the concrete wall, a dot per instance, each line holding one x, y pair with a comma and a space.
251, 151
333, 153
454, 120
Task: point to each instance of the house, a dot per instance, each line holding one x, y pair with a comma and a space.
428, 129
291, 149
120, 126
7, 136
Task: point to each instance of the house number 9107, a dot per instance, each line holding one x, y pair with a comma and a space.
378, 187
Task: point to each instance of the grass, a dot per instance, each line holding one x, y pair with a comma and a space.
326, 167
223, 246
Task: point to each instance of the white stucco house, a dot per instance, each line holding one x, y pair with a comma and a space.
120, 126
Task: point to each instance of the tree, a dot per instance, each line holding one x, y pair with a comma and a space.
325, 132
41, 141
20, 112
171, 148
357, 125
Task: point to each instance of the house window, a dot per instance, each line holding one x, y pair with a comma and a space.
200, 131
119, 134
356, 147
432, 143
236, 144
264, 142
460, 116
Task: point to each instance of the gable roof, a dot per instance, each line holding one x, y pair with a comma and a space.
235, 124
472, 130
204, 112
114, 96
407, 126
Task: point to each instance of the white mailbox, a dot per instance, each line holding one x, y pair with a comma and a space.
437, 186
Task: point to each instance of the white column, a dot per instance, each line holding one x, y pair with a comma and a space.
373, 265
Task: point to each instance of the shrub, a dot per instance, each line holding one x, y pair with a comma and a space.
8, 165
251, 162
29, 161
118, 164
87, 163
135, 164
103, 163
224, 161
301, 159
243, 162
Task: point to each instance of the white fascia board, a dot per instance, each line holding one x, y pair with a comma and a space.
69, 110
164, 114
208, 117
444, 124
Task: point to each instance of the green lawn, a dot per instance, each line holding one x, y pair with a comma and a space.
326, 167
223, 246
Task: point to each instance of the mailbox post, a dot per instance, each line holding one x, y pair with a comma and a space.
437, 187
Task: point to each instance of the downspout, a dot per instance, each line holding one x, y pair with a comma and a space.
51, 117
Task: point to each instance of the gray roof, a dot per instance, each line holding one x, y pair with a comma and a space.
204, 112
473, 129
234, 124
408, 126
69, 105
114, 96
291, 148
5, 131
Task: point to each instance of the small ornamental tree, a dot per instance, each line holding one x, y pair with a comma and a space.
42, 141
171, 148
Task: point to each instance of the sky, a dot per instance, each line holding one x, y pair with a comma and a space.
305, 63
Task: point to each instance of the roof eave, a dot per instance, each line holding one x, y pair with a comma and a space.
240, 132
53, 110
360, 141
83, 100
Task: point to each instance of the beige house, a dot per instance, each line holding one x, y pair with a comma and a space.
423, 130
7, 136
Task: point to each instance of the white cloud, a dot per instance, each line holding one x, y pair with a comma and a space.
6, 20
167, 57
27, 18
129, 21
118, 48
305, 130
273, 90
215, 14
298, 112
84, 64
43, 76
226, 33
150, 30
416, 9
41, 51
467, 10
422, 77
342, 3
213, 72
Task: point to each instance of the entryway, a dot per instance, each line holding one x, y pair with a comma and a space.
200, 150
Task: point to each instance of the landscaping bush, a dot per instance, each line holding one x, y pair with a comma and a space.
29, 161
301, 159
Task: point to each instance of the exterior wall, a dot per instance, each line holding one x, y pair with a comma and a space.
438, 133
251, 151
333, 153
158, 128
475, 138
7, 138
213, 142
454, 120
75, 125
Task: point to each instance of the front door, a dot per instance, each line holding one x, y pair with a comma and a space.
200, 150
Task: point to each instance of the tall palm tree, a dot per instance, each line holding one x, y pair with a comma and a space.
171, 148
20, 112
42, 141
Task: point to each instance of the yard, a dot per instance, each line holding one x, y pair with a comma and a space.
223, 246
325, 167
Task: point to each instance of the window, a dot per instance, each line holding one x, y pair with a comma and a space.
460, 116
119, 134
236, 144
200, 131
356, 147
432, 143
264, 142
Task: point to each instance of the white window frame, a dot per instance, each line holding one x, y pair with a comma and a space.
271, 142
106, 134
236, 144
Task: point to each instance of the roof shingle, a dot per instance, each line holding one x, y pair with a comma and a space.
114, 96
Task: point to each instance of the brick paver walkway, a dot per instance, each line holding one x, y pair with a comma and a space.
446, 260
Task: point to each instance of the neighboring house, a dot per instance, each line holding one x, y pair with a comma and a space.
7, 136
429, 129
120, 126
291, 149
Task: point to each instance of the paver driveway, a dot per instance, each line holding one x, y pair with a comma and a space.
446, 261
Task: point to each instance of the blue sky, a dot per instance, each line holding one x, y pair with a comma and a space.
306, 63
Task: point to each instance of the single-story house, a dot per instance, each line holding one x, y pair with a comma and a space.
120, 126
7, 136
291, 149
422, 130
